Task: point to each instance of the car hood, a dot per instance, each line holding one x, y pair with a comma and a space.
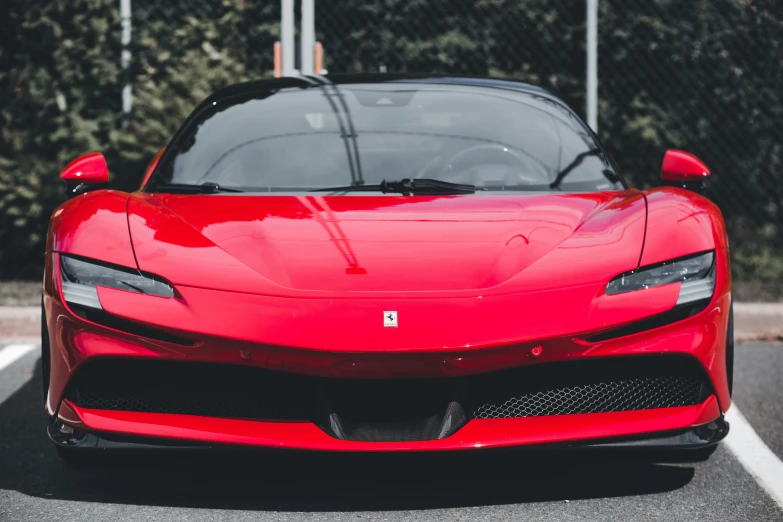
333, 245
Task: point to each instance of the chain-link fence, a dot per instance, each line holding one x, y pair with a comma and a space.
707, 77
701, 75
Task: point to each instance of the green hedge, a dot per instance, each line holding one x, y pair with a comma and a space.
702, 76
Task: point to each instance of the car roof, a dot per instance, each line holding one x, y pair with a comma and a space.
448, 79
308, 81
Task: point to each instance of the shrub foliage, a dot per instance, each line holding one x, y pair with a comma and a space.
704, 76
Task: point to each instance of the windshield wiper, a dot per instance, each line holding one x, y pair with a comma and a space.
578, 159
407, 187
186, 188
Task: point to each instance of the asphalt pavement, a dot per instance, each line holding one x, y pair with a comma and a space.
739, 481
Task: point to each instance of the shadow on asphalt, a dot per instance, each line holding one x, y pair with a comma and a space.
295, 481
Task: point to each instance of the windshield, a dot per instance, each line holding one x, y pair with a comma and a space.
361, 134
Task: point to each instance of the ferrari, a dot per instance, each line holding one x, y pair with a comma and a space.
374, 263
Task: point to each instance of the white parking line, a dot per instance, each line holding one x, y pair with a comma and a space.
13, 352
754, 455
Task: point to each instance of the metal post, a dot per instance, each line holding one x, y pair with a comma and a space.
287, 36
307, 29
125, 19
592, 64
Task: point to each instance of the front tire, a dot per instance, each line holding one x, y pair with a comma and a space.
730, 350
703, 454
75, 459
71, 458
45, 356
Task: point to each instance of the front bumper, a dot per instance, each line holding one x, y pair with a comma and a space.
700, 338
689, 338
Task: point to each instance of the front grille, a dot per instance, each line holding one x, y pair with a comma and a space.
395, 409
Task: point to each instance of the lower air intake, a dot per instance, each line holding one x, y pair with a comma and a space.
390, 410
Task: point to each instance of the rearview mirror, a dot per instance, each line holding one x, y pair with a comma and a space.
683, 169
85, 173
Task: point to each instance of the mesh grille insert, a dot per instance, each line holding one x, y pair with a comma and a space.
592, 386
621, 395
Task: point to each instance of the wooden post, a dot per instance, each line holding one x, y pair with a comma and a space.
318, 52
278, 60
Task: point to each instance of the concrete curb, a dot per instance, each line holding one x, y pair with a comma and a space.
19, 312
761, 309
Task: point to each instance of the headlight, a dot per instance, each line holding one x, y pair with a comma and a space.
80, 278
697, 274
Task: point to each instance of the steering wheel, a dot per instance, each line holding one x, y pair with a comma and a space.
457, 167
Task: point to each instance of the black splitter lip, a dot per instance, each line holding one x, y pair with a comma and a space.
689, 439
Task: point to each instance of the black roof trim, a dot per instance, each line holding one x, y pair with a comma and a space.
310, 81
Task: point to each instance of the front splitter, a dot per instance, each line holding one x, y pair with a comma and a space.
678, 427
692, 438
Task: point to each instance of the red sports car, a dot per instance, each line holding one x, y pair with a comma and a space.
386, 263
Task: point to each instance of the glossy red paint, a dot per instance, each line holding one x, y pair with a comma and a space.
478, 282
680, 222
425, 246
679, 165
90, 169
477, 433
93, 225
310, 323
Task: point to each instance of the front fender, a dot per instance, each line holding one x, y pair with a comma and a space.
680, 223
93, 225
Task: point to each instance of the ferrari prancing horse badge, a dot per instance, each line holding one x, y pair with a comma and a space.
389, 319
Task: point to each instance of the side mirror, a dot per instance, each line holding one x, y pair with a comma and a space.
683, 169
86, 173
